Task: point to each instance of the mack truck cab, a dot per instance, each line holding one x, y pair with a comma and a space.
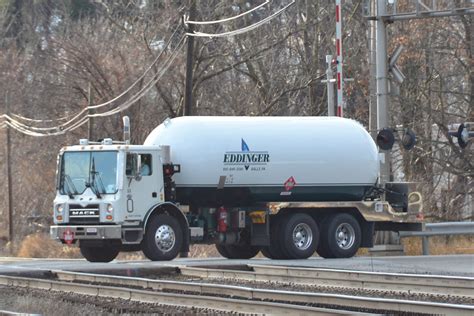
108, 193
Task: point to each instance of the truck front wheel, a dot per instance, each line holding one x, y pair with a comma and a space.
340, 236
163, 238
99, 254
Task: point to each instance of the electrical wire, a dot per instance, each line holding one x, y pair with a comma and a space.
37, 134
244, 29
228, 19
32, 131
34, 128
92, 107
38, 120
62, 128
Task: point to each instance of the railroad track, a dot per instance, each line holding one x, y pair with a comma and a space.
247, 299
250, 300
165, 298
393, 282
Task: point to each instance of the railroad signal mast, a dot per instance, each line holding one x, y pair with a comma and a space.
339, 63
380, 13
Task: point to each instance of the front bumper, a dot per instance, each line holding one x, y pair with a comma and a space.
86, 232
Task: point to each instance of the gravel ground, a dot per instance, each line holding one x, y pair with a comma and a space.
22, 300
46, 302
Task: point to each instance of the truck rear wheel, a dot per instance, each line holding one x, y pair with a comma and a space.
222, 250
300, 236
99, 254
242, 250
274, 250
237, 251
340, 236
163, 238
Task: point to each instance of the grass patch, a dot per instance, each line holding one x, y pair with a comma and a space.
440, 245
40, 245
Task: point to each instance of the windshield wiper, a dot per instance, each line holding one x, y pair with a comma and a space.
71, 189
93, 173
101, 183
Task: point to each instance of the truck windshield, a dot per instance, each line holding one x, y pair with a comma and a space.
95, 170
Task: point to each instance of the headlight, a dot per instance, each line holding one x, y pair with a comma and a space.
110, 208
60, 208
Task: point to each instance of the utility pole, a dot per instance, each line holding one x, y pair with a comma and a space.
373, 73
382, 85
188, 95
9, 176
90, 101
339, 74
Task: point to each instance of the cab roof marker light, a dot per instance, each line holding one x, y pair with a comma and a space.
107, 141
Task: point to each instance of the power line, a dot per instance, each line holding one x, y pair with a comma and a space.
227, 19
78, 118
244, 29
74, 117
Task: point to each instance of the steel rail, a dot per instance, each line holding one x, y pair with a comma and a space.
405, 283
9, 313
347, 301
173, 299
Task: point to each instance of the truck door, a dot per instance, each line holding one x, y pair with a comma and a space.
144, 189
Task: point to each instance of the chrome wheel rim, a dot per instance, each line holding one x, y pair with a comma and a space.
165, 238
302, 236
345, 236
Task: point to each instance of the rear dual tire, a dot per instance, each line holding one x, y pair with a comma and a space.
292, 236
237, 251
340, 236
241, 250
275, 250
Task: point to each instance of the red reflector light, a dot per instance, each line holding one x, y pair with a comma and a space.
168, 170
68, 236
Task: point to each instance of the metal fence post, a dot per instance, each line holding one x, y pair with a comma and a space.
425, 245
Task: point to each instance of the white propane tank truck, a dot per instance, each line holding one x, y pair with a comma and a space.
285, 186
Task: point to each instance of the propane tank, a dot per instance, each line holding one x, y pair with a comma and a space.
240, 161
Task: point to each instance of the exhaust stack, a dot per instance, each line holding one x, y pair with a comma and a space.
126, 129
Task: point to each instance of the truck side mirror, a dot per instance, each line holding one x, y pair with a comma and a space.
133, 165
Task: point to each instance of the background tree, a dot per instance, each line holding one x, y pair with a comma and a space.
51, 51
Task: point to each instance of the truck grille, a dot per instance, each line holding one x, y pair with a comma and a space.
89, 214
